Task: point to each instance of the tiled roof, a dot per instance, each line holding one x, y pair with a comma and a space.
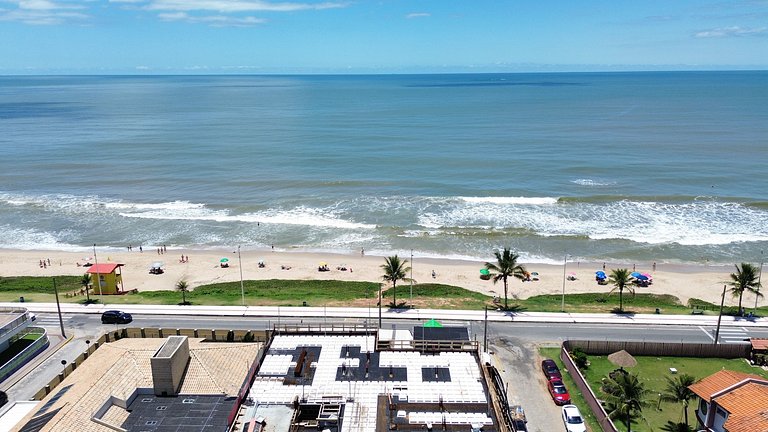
748, 407
744, 396
759, 344
119, 367
717, 382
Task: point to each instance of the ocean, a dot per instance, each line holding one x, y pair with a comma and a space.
652, 166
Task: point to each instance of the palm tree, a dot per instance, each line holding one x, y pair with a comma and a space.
677, 391
506, 265
182, 286
745, 279
625, 397
395, 270
621, 278
676, 427
85, 281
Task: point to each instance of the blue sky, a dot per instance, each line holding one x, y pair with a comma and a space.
379, 36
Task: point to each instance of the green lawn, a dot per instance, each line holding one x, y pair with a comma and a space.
576, 397
653, 371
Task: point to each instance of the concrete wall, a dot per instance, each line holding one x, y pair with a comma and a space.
168, 368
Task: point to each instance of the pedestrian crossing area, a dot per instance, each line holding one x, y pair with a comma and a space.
728, 334
50, 320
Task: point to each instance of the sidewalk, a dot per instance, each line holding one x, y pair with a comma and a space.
386, 313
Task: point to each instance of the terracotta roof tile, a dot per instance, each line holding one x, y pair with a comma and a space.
718, 381
747, 403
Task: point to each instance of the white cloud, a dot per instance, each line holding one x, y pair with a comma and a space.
43, 12
212, 20
230, 6
418, 15
734, 31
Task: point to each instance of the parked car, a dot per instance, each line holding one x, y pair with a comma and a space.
550, 369
558, 391
116, 317
572, 419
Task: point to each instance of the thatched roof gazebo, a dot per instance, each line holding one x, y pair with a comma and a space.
622, 359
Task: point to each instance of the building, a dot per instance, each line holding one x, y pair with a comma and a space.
106, 278
732, 402
15, 324
145, 384
418, 380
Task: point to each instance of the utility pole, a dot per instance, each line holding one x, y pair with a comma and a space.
379, 306
58, 307
720, 317
98, 277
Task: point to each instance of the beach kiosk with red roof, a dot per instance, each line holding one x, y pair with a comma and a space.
106, 278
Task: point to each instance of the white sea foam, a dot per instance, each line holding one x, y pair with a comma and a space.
511, 200
592, 182
30, 239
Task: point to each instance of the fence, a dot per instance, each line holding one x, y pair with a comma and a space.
594, 403
638, 349
661, 348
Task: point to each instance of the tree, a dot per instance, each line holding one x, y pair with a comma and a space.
85, 281
676, 427
183, 286
506, 265
677, 391
395, 270
746, 278
625, 397
621, 278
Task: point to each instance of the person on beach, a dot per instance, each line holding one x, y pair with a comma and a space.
362, 252
141, 250
654, 266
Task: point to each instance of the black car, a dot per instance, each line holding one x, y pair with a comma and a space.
116, 317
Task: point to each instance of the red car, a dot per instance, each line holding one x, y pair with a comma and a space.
550, 369
558, 391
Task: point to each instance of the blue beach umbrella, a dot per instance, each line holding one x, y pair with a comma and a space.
641, 277
600, 274
635, 274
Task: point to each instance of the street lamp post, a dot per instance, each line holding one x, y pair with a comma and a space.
759, 276
411, 277
240, 264
562, 300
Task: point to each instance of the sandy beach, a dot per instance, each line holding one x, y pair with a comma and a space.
683, 281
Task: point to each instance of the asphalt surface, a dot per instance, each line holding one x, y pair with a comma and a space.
513, 342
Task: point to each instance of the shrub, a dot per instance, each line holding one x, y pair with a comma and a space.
580, 358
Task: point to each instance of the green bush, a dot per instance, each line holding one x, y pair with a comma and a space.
580, 358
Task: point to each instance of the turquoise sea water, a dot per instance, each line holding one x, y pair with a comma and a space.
668, 167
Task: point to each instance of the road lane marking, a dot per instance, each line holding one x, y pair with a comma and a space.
707, 333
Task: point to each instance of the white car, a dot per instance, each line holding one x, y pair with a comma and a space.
572, 419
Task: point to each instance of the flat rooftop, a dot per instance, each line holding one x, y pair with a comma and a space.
427, 387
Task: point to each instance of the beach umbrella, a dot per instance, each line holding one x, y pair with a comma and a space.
157, 264
432, 323
635, 274
641, 277
485, 272
323, 264
223, 260
600, 274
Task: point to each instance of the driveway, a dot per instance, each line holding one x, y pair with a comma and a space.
519, 363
